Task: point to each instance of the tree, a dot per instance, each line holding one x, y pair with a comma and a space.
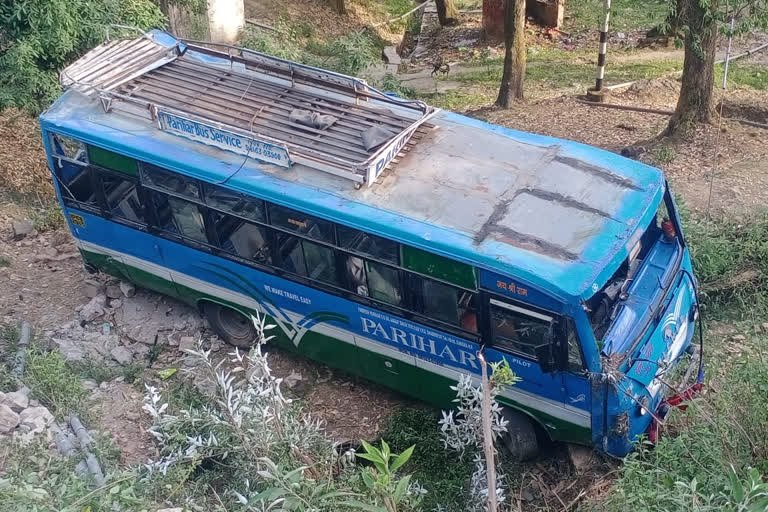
514, 53
39, 37
447, 13
338, 6
700, 22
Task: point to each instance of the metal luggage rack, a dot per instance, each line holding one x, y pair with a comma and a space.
253, 96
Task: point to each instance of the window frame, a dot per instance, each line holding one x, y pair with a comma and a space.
559, 340
140, 191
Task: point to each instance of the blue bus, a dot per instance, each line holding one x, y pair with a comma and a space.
384, 237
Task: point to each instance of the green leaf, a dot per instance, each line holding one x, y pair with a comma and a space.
368, 479
401, 488
385, 451
402, 458
167, 373
364, 506
737, 491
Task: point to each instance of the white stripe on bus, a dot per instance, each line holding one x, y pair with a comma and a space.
551, 407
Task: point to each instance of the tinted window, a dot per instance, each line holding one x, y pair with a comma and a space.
122, 198
365, 243
76, 182
445, 303
371, 279
321, 263
181, 217
242, 238
234, 202
172, 182
518, 329
290, 256
301, 223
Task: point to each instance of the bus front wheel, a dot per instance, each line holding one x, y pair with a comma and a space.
520, 438
231, 325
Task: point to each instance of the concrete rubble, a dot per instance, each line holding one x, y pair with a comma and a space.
23, 418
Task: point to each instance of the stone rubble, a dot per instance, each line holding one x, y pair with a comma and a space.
9, 420
21, 229
23, 418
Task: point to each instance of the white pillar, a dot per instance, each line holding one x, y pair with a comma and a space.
225, 20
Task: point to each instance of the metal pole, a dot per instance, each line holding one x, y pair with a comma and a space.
603, 46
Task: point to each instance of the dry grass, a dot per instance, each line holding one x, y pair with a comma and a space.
23, 168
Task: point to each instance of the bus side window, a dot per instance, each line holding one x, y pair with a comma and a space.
575, 359
518, 329
179, 217
444, 302
242, 238
166, 180
122, 199
70, 163
365, 243
375, 280
301, 223
306, 259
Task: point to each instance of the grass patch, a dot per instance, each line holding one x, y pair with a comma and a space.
586, 15
730, 259
5, 261
459, 99
99, 372
440, 471
743, 74
664, 154
556, 74
53, 383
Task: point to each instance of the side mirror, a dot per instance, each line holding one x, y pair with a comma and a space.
545, 358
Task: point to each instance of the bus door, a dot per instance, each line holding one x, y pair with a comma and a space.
526, 337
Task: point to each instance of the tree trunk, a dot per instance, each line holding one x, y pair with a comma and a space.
695, 101
338, 6
447, 13
493, 19
514, 53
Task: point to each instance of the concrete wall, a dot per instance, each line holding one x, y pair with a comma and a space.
546, 12
225, 20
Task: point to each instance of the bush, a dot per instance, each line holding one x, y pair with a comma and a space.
40, 37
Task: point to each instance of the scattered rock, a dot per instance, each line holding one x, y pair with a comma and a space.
115, 303
128, 289
17, 401
92, 288
36, 419
21, 229
89, 384
621, 35
94, 308
139, 349
293, 379
765, 327
46, 253
122, 355
391, 56
69, 349
9, 420
738, 337
187, 343
113, 291
176, 509
581, 457
60, 237
526, 495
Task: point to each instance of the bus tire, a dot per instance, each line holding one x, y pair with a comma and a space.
520, 438
230, 325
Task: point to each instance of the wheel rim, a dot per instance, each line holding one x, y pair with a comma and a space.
234, 324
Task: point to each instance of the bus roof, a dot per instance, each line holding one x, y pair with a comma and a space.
555, 214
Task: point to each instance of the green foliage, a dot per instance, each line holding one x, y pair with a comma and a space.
52, 382
391, 83
354, 52
707, 465
49, 217
438, 470
39, 37
664, 154
585, 15
99, 372
5, 261
34, 480
730, 259
382, 480
744, 74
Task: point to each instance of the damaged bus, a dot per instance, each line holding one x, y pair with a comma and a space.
382, 236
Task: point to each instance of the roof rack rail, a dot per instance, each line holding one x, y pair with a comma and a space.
262, 107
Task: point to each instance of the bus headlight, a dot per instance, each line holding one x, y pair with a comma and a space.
642, 405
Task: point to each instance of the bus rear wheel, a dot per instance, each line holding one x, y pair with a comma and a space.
231, 325
520, 438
